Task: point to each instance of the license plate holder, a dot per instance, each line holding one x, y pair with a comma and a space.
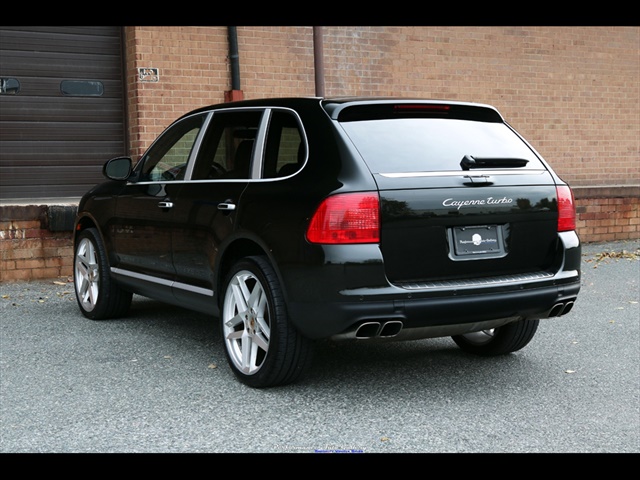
480, 241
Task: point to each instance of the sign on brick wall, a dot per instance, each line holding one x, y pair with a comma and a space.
147, 74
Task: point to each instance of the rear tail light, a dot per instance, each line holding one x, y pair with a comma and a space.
346, 218
566, 209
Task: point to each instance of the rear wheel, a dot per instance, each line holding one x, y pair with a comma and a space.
498, 341
262, 346
99, 297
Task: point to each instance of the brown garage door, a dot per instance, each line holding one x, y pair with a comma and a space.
61, 108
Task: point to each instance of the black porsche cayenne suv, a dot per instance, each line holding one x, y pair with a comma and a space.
297, 219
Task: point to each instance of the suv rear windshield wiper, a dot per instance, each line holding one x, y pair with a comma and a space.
468, 162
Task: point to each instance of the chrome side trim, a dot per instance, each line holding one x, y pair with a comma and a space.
194, 289
478, 282
141, 276
257, 159
455, 173
162, 281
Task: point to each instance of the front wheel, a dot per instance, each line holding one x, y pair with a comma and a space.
498, 341
262, 346
99, 297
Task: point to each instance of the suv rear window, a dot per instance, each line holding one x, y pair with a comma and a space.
401, 145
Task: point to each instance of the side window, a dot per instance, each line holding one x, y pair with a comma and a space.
285, 151
227, 147
167, 158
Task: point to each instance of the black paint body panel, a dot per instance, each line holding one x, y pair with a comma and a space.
181, 254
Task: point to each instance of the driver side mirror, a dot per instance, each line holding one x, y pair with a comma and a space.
118, 168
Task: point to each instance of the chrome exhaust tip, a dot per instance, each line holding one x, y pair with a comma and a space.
391, 328
561, 309
567, 308
387, 329
556, 310
368, 330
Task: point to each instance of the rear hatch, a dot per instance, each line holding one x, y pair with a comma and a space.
463, 197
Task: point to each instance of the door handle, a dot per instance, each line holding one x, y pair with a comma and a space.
226, 206
165, 204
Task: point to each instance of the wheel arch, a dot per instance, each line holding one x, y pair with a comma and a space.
86, 220
246, 245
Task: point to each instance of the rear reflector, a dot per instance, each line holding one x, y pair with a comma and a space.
347, 218
566, 209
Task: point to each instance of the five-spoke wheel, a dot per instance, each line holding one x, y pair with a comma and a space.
87, 274
99, 297
247, 325
262, 346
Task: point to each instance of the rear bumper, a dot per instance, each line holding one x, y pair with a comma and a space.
338, 297
321, 320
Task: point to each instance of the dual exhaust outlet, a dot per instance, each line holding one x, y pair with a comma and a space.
561, 308
387, 329
391, 328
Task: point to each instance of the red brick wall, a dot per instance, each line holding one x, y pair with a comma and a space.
28, 249
193, 71
608, 214
571, 91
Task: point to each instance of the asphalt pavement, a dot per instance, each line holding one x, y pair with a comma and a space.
157, 382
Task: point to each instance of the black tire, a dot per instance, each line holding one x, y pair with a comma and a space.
498, 341
262, 346
98, 296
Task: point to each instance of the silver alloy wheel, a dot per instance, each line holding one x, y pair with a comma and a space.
480, 338
246, 322
87, 274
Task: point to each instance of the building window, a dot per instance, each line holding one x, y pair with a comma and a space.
82, 88
9, 86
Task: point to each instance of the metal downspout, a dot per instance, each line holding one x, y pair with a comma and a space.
234, 60
318, 54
